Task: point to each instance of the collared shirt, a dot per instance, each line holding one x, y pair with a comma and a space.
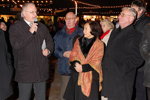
29, 23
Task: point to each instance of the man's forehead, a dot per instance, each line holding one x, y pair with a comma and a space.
30, 7
70, 15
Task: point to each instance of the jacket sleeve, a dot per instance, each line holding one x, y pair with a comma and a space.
87, 68
145, 44
58, 52
49, 40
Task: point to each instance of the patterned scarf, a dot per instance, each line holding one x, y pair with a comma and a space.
93, 58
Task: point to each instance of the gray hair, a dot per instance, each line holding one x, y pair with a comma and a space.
131, 10
25, 6
108, 23
71, 13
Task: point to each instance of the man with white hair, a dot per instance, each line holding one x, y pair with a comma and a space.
121, 59
31, 44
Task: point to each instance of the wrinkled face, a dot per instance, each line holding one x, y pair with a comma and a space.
70, 20
87, 30
104, 27
125, 18
29, 13
3, 26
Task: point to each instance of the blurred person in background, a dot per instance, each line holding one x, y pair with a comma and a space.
107, 27
139, 24
63, 45
145, 52
6, 70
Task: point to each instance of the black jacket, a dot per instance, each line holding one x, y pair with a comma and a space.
121, 59
139, 25
30, 64
6, 70
141, 22
145, 52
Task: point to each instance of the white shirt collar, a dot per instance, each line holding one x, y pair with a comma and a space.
29, 23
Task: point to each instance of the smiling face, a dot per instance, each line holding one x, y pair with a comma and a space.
29, 13
87, 31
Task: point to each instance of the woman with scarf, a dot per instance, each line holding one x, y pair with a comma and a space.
85, 62
107, 27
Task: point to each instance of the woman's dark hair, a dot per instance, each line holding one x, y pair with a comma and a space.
96, 29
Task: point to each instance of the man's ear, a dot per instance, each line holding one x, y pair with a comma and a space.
77, 19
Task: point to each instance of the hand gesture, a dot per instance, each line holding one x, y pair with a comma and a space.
46, 52
78, 67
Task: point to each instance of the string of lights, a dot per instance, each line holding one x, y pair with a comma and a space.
47, 6
23, 1
98, 6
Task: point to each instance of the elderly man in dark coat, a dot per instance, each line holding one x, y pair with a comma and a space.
121, 59
31, 44
5, 69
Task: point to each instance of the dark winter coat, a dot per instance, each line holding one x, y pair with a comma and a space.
139, 25
30, 64
64, 42
6, 70
145, 52
141, 22
121, 59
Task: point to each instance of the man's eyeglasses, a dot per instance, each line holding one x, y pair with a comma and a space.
69, 18
32, 12
123, 14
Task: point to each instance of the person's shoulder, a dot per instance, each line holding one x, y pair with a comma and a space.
1, 31
16, 24
147, 26
147, 29
133, 30
59, 33
79, 28
42, 25
145, 19
99, 41
134, 33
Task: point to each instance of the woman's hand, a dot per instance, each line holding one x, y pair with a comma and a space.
78, 67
